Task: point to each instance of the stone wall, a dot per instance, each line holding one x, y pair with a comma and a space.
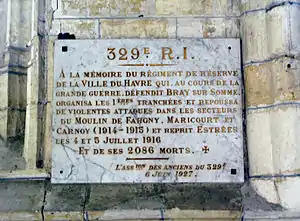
270, 34
147, 19
268, 31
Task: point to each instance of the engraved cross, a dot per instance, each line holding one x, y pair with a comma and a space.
205, 149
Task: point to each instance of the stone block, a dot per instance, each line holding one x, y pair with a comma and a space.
120, 8
270, 219
138, 28
21, 196
33, 72
20, 124
190, 27
64, 216
288, 188
13, 118
32, 130
103, 197
276, 2
172, 214
258, 85
278, 31
65, 197
11, 154
22, 91
101, 8
202, 197
248, 5
3, 103
48, 120
21, 216
179, 215
267, 189
254, 36
276, 81
147, 215
72, 8
273, 150
3, 25
295, 29
4, 88
253, 5
19, 58
254, 202
259, 142
196, 7
285, 80
20, 25
285, 129
82, 29
207, 28
157, 196
13, 104
266, 34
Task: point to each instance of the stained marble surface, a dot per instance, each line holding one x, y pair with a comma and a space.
147, 111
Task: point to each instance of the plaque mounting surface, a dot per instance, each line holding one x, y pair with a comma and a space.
147, 111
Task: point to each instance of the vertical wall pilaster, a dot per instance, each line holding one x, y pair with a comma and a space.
32, 136
4, 20
19, 77
14, 63
270, 36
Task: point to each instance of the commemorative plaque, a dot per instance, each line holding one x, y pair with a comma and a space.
147, 111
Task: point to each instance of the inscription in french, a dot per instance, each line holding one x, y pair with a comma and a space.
147, 111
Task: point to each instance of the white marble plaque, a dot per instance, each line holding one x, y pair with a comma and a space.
147, 111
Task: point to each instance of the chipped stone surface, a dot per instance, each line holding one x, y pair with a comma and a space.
209, 143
